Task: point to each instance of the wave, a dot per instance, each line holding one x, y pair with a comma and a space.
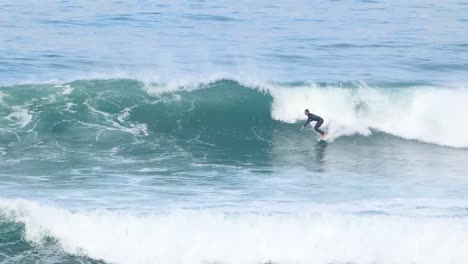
226, 111
215, 237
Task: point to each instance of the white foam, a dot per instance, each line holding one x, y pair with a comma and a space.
125, 113
132, 128
67, 89
429, 114
69, 105
211, 237
155, 86
20, 116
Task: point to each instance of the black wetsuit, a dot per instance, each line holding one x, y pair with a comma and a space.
312, 117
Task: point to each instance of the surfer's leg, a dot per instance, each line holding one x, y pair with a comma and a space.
317, 126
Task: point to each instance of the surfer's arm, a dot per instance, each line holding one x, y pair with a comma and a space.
307, 122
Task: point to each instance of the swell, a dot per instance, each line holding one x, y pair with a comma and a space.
226, 112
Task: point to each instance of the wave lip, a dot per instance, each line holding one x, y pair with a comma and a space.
215, 237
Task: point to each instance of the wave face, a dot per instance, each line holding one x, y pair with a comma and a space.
226, 113
211, 237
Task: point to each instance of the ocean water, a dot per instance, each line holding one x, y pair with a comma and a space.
168, 132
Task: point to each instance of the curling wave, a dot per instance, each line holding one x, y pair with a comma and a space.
228, 111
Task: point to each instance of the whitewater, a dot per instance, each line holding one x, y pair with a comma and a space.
170, 132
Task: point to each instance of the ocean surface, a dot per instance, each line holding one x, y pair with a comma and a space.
169, 132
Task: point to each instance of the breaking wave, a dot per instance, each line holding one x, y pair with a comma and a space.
228, 111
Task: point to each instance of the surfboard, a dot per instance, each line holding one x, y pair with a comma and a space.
325, 129
321, 139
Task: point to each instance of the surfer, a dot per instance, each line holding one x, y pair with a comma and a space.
311, 117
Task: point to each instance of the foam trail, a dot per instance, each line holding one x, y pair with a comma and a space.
20, 116
210, 237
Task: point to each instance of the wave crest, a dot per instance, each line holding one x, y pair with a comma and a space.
234, 109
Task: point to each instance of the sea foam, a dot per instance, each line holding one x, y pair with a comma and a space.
206, 236
429, 114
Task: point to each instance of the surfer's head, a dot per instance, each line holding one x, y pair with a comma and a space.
306, 112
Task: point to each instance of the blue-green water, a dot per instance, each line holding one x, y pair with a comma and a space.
169, 132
